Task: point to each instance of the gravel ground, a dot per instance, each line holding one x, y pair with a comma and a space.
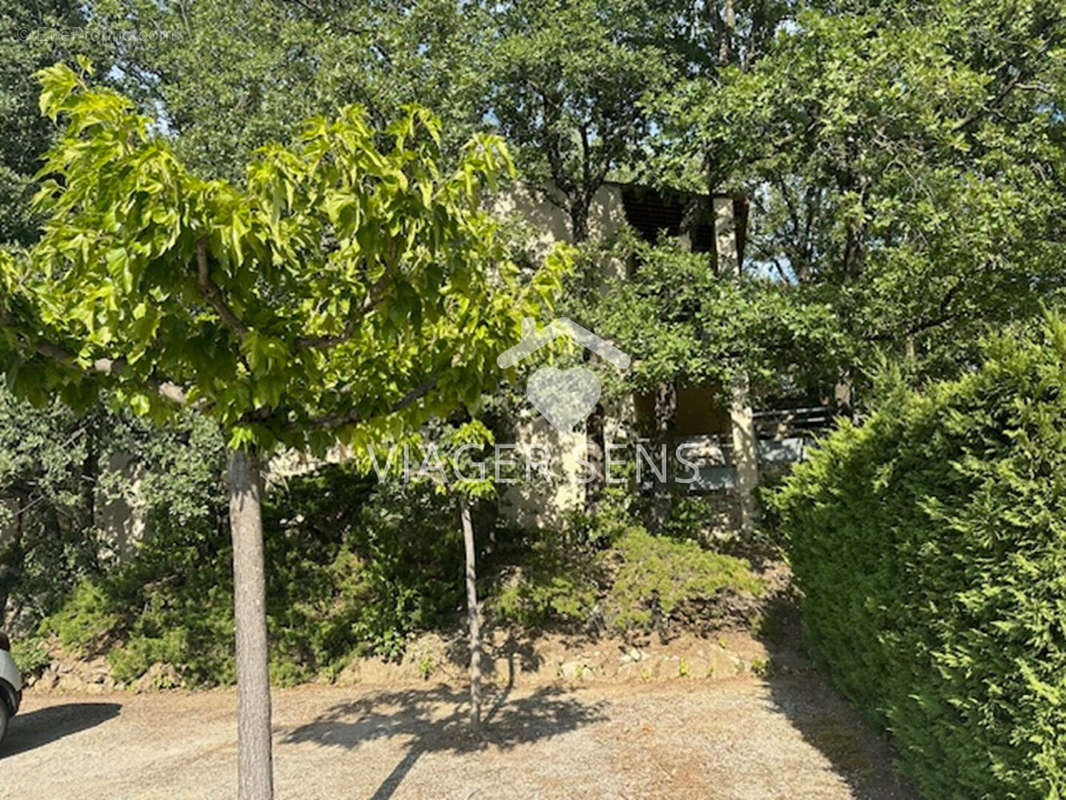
785, 738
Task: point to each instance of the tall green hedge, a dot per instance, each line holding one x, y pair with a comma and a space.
930, 545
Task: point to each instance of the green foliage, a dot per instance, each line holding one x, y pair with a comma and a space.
575, 112
655, 575
681, 321
86, 621
353, 569
32, 36
30, 653
552, 582
904, 164
620, 578
48, 465
342, 291
73, 488
225, 78
171, 602
930, 547
392, 566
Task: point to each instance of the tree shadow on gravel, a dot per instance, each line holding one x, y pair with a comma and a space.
45, 725
437, 720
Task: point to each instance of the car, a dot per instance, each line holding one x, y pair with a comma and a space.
10, 685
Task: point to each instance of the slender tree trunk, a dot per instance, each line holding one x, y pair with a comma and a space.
255, 773
727, 26
595, 451
12, 560
473, 616
662, 492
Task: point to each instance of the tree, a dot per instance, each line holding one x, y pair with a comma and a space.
47, 477
906, 167
345, 292
685, 325
32, 36
224, 77
67, 478
468, 488
566, 84
438, 449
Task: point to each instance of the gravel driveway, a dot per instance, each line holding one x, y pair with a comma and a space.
742, 739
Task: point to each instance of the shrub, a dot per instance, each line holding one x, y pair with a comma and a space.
655, 575
353, 568
552, 582
930, 545
635, 582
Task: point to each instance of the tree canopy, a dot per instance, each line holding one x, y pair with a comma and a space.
343, 282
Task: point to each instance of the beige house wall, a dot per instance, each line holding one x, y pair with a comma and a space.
548, 223
547, 505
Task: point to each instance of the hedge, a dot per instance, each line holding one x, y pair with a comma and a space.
930, 547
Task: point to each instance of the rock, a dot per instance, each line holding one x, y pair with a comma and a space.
48, 680
158, 676
575, 670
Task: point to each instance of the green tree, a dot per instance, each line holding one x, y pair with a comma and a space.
566, 85
32, 36
928, 545
345, 292
47, 477
71, 482
683, 323
906, 165
225, 77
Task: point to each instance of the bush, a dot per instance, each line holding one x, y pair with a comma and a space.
610, 574
654, 576
930, 545
352, 568
551, 582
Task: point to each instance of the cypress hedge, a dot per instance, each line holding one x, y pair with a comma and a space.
930, 547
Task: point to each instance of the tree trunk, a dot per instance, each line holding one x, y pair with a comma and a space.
662, 492
579, 219
595, 451
255, 773
473, 617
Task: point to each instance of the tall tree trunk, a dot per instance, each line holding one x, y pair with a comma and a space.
729, 27
255, 772
473, 616
595, 443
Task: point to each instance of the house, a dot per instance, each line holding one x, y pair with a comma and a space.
730, 443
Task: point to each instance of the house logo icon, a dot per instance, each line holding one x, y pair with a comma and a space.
564, 397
